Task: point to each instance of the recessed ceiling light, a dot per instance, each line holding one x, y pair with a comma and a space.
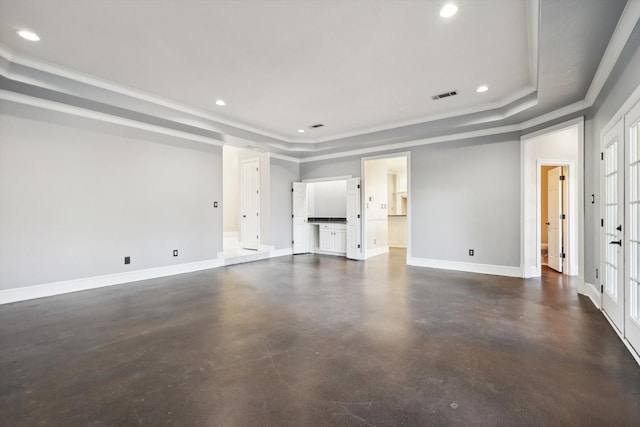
221, 103
300, 130
448, 10
29, 35
482, 88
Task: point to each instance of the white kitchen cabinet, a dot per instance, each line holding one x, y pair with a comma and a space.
332, 238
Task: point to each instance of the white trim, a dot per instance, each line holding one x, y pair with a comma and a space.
626, 342
509, 99
619, 38
280, 252
284, 157
554, 128
230, 234
75, 285
321, 252
496, 270
103, 117
414, 143
622, 32
121, 89
622, 111
591, 291
377, 251
363, 222
570, 264
530, 202
328, 178
57, 288
533, 32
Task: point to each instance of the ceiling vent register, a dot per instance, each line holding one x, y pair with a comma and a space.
444, 95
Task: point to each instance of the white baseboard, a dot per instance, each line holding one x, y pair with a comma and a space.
497, 270
265, 248
592, 292
377, 251
67, 286
57, 288
632, 350
280, 252
398, 244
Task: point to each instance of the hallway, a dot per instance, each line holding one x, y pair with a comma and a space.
317, 340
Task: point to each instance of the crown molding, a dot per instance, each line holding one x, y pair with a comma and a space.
45, 104
627, 22
414, 143
619, 38
56, 70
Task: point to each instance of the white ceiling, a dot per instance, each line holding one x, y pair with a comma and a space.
353, 65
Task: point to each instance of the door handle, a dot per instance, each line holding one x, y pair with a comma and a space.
619, 228
548, 223
616, 242
244, 216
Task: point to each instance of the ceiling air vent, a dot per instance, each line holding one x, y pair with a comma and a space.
319, 125
444, 95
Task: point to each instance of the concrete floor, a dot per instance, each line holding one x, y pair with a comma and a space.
316, 340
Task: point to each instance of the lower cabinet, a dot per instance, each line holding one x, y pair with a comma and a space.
332, 238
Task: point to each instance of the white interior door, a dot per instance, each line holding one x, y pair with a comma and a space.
613, 218
632, 227
250, 204
554, 215
354, 250
300, 217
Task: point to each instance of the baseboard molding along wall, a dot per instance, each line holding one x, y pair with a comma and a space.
496, 270
377, 251
592, 292
57, 288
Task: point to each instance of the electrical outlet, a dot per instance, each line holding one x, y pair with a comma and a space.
471, 252
127, 260
175, 252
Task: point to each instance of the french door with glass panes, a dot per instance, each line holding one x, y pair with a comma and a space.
621, 226
632, 223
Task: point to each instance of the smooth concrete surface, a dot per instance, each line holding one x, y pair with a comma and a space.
314, 340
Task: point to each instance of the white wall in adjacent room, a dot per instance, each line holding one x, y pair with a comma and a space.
230, 189
329, 199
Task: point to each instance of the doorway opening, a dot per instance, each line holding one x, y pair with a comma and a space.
245, 204
559, 146
554, 221
386, 204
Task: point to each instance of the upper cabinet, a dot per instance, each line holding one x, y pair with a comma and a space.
397, 197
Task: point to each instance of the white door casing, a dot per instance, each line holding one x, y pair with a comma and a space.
613, 217
354, 221
632, 228
250, 204
300, 218
554, 218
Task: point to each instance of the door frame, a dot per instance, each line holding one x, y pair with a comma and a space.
620, 114
363, 223
530, 202
242, 233
569, 202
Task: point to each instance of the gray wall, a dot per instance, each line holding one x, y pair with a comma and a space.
624, 79
283, 173
77, 196
330, 168
464, 195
